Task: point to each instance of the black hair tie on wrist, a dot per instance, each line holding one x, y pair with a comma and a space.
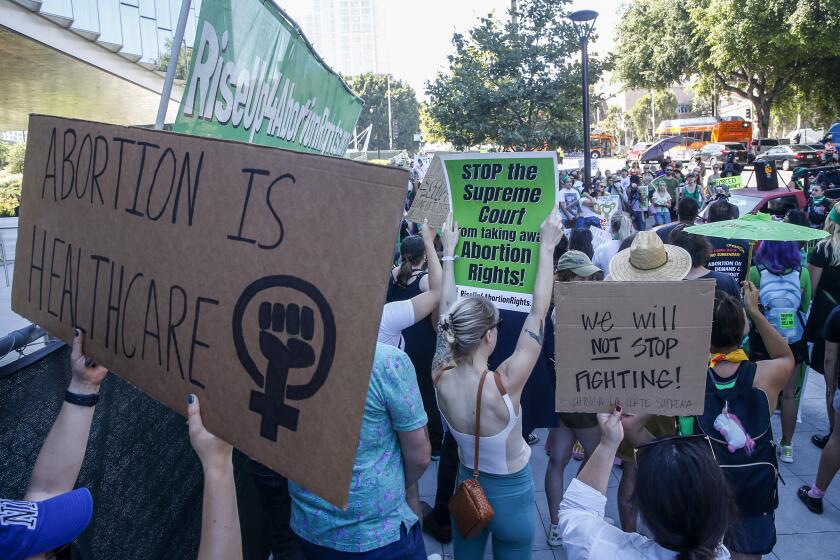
80, 400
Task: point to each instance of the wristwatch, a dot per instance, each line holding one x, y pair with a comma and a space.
81, 400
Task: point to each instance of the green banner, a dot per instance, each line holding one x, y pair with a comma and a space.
254, 78
499, 201
730, 183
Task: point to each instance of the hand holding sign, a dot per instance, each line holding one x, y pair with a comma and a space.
612, 430
449, 236
551, 230
751, 302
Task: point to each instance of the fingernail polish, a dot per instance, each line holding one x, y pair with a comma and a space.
78, 332
190, 398
618, 408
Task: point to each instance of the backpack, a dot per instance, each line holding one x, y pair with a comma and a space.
781, 297
753, 475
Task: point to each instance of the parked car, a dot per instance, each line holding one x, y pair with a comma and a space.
820, 149
635, 153
750, 200
718, 152
761, 145
795, 155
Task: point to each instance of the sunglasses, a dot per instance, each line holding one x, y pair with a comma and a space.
675, 440
497, 325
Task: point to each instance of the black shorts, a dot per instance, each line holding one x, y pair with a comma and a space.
578, 420
752, 535
759, 352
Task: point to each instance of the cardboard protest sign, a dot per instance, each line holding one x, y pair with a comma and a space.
644, 345
599, 236
499, 201
730, 183
431, 201
609, 205
204, 266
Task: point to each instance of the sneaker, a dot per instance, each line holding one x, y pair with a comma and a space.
532, 439
577, 451
814, 504
441, 533
820, 439
785, 453
555, 537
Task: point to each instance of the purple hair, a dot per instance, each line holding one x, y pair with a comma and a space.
778, 256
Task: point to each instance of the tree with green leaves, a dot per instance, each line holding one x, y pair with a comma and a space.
4, 153
405, 110
664, 107
514, 83
15, 158
613, 122
182, 69
430, 129
760, 50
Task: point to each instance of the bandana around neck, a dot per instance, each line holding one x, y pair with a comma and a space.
735, 357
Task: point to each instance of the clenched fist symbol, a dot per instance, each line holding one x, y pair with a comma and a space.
286, 342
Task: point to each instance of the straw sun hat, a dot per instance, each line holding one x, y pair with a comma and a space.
648, 259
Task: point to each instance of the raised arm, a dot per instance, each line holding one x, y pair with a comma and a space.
220, 536
448, 291
595, 473
435, 271
58, 464
517, 368
773, 374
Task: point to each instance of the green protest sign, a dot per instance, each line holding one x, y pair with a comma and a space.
499, 201
644, 197
730, 183
254, 78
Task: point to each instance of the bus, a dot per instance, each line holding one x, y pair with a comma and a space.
700, 131
601, 144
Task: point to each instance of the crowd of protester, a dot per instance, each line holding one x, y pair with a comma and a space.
460, 382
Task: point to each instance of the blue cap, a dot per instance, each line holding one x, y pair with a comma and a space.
30, 528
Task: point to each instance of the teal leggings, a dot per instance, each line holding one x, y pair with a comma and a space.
514, 522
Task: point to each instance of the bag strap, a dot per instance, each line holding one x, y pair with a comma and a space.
478, 421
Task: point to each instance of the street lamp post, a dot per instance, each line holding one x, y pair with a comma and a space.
583, 22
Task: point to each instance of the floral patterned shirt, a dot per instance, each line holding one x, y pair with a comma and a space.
376, 506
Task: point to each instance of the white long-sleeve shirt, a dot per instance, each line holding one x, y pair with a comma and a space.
587, 536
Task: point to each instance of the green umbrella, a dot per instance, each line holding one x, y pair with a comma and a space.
757, 227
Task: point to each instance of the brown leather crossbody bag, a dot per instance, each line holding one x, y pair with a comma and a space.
469, 505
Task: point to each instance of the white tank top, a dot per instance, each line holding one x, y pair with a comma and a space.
503, 453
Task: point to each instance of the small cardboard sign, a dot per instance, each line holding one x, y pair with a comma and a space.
599, 236
206, 266
730, 183
432, 200
644, 345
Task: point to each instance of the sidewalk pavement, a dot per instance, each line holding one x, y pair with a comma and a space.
802, 535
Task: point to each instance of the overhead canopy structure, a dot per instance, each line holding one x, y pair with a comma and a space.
48, 68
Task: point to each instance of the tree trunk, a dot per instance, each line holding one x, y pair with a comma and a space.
762, 114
